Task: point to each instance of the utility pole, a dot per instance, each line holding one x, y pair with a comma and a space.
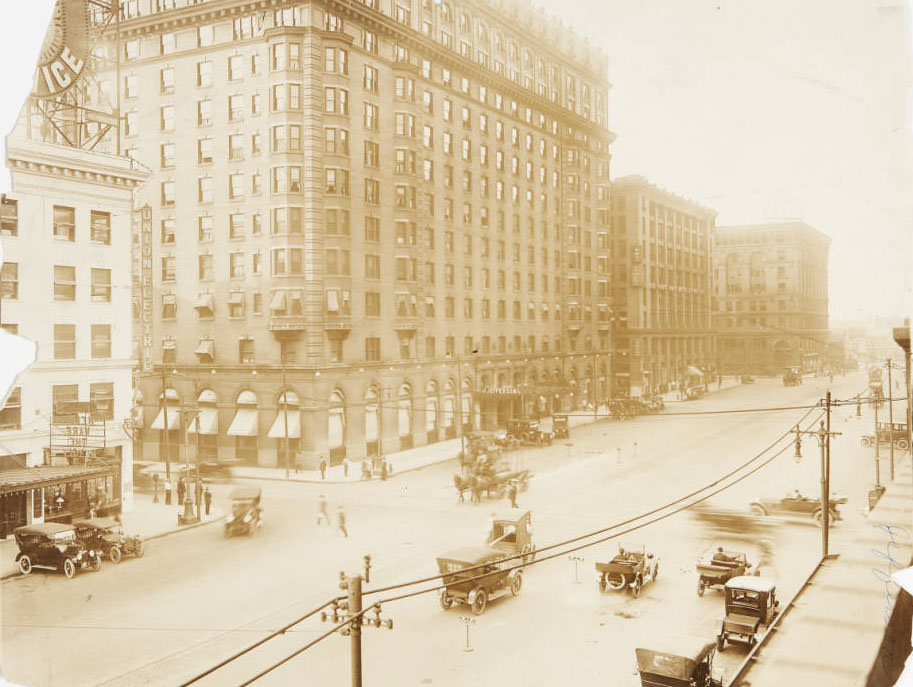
877, 443
165, 421
353, 586
285, 411
823, 434
890, 364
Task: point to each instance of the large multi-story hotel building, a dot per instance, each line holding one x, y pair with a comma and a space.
661, 291
368, 221
65, 284
771, 297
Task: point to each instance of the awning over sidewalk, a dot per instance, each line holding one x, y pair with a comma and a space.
174, 419
277, 431
244, 424
694, 372
209, 422
22, 479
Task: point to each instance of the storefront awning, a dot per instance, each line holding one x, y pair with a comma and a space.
244, 424
694, 372
174, 419
209, 422
277, 431
23, 479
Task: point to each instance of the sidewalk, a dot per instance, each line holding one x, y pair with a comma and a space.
833, 634
147, 519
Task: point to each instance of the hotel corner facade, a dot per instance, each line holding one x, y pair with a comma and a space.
661, 261
771, 294
66, 233
382, 219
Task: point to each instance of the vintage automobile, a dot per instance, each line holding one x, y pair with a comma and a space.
885, 433
678, 661
628, 569
513, 534
560, 427
750, 602
210, 471
106, 536
719, 568
475, 575
792, 378
746, 379
53, 545
246, 514
797, 504
528, 432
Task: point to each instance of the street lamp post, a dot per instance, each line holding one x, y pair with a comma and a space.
890, 365
165, 422
285, 415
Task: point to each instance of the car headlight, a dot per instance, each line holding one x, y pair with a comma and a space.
79, 556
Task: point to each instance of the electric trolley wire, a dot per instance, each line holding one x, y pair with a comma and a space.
542, 559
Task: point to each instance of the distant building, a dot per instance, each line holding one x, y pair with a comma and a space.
661, 288
66, 233
395, 214
771, 297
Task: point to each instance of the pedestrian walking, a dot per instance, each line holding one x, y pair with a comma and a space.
207, 499
341, 519
180, 491
383, 468
512, 494
345, 467
298, 461
366, 469
199, 493
322, 515
323, 467
167, 492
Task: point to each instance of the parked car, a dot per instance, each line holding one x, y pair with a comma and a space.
513, 534
678, 661
528, 432
475, 575
796, 504
886, 432
746, 379
721, 567
246, 515
628, 569
53, 545
792, 378
106, 536
750, 602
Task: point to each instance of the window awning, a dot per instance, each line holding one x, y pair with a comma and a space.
244, 423
295, 295
209, 422
205, 301
169, 299
169, 344
206, 348
277, 431
174, 419
694, 372
277, 303
236, 298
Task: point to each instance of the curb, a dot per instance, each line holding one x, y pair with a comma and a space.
393, 475
160, 535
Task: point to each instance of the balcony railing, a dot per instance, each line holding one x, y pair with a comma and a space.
287, 322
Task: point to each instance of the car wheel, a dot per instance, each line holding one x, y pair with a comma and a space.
818, 517
638, 583
446, 601
69, 568
866, 441
516, 583
115, 554
603, 585
25, 565
479, 603
700, 587
96, 563
902, 444
614, 581
757, 509
139, 548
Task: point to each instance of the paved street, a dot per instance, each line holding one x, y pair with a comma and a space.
196, 596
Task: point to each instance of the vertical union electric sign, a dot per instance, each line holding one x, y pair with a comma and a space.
65, 50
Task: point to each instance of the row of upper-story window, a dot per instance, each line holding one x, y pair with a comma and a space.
101, 396
66, 346
63, 224
573, 92
63, 286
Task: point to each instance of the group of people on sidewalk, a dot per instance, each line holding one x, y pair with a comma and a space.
369, 466
183, 488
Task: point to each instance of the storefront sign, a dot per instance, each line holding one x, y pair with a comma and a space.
65, 50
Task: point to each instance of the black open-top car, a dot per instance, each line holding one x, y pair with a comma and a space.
106, 536
53, 545
246, 513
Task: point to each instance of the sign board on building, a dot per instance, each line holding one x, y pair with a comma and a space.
66, 48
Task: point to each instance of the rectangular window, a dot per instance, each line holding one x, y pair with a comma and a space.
64, 283
372, 229
101, 341
9, 216
372, 348
11, 413
372, 304
101, 285
204, 268
64, 341
65, 223
61, 396
9, 280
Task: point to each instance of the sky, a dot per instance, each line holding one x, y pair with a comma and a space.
781, 109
